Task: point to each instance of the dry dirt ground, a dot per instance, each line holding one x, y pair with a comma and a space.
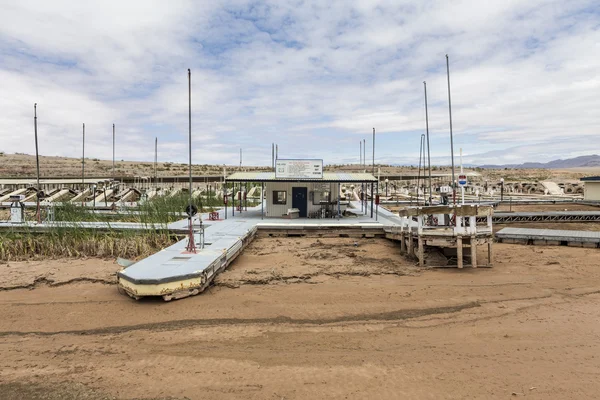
301, 318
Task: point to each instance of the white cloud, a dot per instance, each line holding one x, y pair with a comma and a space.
314, 77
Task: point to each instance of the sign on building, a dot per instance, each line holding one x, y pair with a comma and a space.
299, 169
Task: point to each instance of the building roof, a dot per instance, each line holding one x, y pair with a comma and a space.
591, 179
57, 181
327, 177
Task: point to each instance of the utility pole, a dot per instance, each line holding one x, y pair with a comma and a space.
273, 156
451, 138
360, 155
240, 159
37, 163
427, 131
276, 152
156, 163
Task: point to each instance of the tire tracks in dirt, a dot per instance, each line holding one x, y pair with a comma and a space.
390, 316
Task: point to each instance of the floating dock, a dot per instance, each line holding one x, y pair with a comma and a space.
549, 237
503, 217
176, 273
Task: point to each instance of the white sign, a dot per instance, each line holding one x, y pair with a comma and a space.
462, 180
299, 169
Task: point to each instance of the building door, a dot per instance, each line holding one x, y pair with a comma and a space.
299, 200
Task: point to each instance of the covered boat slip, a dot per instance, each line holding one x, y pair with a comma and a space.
175, 273
323, 197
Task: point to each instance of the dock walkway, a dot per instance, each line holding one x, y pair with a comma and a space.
175, 273
549, 237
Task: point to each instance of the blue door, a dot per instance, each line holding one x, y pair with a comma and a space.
299, 196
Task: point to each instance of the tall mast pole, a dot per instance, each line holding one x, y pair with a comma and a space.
155, 162
191, 246
360, 155
114, 176
190, 131
83, 160
365, 154
451, 138
240, 159
373, 151
427, 131
420, 159
37, 162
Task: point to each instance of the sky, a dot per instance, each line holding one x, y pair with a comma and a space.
313, 77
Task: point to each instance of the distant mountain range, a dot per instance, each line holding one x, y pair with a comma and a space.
577, 162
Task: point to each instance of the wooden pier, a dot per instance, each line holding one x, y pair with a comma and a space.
444, 227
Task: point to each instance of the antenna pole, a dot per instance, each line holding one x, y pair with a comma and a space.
427, 131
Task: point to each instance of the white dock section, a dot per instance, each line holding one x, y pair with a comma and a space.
175, 273
549, 237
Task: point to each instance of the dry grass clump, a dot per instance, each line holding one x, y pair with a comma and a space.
82, 243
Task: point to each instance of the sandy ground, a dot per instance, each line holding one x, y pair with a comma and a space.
295, 319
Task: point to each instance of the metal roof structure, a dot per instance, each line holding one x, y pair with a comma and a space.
590, 179
327, 177
57, 181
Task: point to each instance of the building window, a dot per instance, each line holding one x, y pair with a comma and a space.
321, 197
279, 197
